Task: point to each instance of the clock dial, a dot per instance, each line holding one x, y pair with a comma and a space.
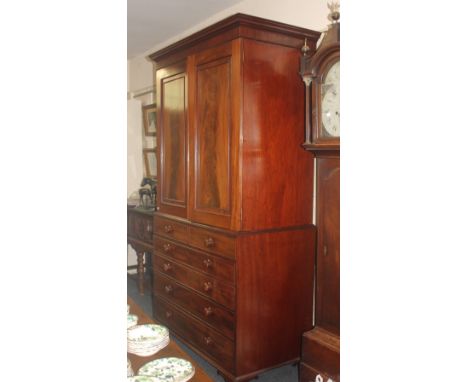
331, 101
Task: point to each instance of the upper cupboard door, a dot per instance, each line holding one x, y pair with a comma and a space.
171, 83
214, 85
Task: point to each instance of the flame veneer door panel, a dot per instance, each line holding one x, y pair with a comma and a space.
171, 84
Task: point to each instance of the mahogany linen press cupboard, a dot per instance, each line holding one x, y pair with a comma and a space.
233, 240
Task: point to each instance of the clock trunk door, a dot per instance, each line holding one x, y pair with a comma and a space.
171, 85
328, 244
214, 86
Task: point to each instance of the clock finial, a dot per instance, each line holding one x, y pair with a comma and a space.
334, 8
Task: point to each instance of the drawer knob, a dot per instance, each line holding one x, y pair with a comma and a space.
168, 314
167, 247
167, 266
207, 286
208, 310
209, 242
208, 340
168, 228
208, 263
168, 289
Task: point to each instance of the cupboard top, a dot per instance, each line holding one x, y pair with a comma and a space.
235, 26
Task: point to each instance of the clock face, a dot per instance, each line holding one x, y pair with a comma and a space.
331, 102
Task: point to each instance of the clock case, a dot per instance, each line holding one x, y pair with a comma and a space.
314, 68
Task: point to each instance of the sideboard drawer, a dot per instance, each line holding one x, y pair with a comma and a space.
205, 309
211, 241
139, 226
171, 229
220, 292
211, 264
207, 340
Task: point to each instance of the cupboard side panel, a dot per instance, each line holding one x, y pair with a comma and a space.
277, 173
274, 296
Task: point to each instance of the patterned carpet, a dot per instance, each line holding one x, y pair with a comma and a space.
281, 374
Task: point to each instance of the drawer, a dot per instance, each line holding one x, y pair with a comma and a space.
199, 335
219, 291
171, 229
205, 309
213, 265
211, 241
140, 227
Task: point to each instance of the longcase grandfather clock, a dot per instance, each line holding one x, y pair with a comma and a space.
321, 74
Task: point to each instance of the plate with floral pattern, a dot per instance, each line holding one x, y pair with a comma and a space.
170, 369
142, 378
147, 332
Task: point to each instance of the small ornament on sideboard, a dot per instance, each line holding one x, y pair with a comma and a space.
147, 194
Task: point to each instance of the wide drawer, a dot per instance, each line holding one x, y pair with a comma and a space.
171, 229
211, 264
205, 309
211, 241
201, 336
219, 291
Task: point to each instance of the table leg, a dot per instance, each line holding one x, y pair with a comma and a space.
141, 272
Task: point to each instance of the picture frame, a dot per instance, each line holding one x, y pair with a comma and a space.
149, 156
149, 119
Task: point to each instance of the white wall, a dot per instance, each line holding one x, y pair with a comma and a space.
311, 14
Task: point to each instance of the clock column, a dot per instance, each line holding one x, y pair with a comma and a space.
321, 75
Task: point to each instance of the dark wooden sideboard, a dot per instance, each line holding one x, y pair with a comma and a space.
233, 235
140, 237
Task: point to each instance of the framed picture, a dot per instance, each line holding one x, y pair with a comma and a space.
149, 119
150, 163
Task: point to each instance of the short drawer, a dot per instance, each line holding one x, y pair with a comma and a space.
205, 309
211, 241
219, 291
140, 227
171, 229
213, 265
199, 335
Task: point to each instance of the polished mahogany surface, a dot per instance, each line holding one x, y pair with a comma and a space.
171, 350
327, 312
276, 303
277, 176
214, 81
233, 259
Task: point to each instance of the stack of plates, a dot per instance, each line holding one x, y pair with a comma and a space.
169, 369
142, 378
146, 340
132, 320
129, 368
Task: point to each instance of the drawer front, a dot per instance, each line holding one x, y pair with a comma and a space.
171, 229
205, 339
140, 227
204, 309
213, 265
220, 292
214, 242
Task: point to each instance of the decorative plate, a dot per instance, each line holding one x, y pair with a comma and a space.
147, 332
132, 320
142, 378
168, 369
